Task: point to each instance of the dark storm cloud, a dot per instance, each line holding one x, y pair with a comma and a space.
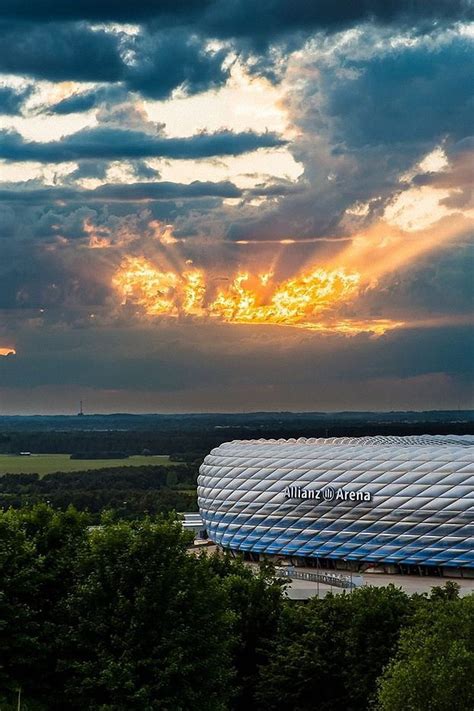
106, 10
12, 99
263, 23
88, 169
409, 95
143, 171
240, 17
41, 220
229, 358
154, 63
77, 103
115, 143
136, 192
87, 100
47, 282
164, 191
167, 60
291, 219
51, 40
363, 124
98, 169
133, 192
65, 52
8, 223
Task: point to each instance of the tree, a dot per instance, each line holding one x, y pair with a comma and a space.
450, 591
19, 621
329, 652
377, 616
38, 549
171, 477
255, 599
306, 660
120, 616
434, 666
148, 623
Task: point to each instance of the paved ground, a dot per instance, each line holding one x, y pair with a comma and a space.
413, 583
303, 590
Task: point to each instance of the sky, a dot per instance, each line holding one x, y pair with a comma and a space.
223, 205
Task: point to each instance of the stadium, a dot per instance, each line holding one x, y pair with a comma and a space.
397, 504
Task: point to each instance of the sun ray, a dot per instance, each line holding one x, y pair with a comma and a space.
305, 301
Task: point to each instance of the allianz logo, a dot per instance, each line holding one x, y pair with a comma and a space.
328, 493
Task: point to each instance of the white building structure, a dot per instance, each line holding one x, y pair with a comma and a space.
390, 501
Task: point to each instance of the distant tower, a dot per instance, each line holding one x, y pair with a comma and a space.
80, 413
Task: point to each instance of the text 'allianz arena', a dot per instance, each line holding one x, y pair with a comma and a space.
387, 500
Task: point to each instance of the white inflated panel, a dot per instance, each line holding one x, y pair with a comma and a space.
421, 490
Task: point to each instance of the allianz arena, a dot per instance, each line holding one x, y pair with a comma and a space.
385, 501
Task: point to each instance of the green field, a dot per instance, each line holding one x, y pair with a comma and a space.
46, 463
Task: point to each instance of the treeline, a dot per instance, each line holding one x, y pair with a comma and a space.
124, 616
191, 435
131, 491
99, 455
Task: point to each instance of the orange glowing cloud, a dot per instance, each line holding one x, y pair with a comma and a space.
314, 299
7, 351
305, 301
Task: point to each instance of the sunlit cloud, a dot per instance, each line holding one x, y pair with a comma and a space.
313, 299
318, 243
308, 301
435, 161
418, 208
243, 103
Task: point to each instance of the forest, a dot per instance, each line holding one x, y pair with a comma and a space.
196, 435
126, 615
132, 491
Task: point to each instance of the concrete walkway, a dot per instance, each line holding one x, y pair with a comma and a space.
303, 590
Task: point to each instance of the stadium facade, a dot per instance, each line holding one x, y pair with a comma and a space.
401, 503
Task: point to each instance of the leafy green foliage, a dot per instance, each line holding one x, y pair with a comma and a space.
256, 600
434, 665
125, 616
133, 491
38, 548
329, 653
149, 623
119, 616
195, 435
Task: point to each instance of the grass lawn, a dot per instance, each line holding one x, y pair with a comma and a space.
46, 463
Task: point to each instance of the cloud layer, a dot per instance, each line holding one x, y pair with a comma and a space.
115, 144
253, 144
